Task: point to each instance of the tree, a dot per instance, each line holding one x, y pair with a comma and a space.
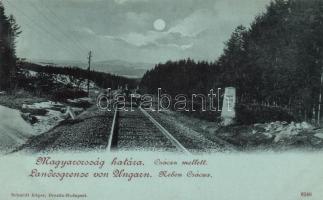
9, 31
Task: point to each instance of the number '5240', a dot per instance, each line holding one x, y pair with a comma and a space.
306, 194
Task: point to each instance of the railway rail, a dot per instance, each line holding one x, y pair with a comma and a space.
138, 130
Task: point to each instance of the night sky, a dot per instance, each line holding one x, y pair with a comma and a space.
131, 30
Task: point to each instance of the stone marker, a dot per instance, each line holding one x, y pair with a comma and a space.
228, 109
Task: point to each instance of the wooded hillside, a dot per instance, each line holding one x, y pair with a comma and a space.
276, 62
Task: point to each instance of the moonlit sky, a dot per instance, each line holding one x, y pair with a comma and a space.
124, 29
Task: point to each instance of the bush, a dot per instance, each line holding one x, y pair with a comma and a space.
211, 116
64, 94
80, 104
251, 114
208, 115
35, 111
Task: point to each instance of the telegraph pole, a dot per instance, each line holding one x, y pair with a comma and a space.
89, 70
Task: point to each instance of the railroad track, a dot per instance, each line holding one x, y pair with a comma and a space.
138, 130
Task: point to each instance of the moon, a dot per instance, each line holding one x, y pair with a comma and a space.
159, 24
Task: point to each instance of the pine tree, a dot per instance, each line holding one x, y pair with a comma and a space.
9, 31
4, 63
14, 32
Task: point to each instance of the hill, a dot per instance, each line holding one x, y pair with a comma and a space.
101, 79
117, 67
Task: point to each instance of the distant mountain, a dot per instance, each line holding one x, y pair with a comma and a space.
118, 67
123, 68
